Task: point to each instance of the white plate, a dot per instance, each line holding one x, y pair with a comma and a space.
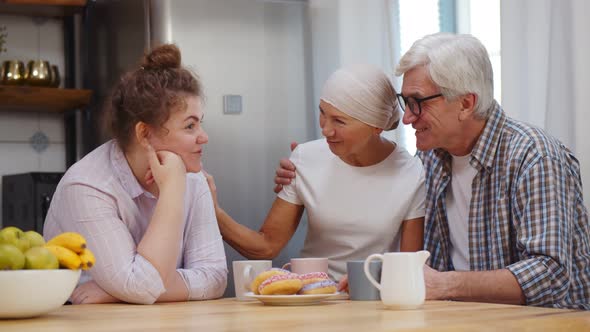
291, 299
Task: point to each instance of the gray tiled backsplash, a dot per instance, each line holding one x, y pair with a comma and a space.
52, 125
53, 159
18, 126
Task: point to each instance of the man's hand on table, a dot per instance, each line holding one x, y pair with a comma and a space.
436, 284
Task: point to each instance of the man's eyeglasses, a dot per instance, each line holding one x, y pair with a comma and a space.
414, 104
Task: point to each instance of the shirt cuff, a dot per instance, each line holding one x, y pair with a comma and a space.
204, 285
536, 280
149, 280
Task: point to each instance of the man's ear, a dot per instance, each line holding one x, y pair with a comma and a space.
377, 131
468, 103
142, 133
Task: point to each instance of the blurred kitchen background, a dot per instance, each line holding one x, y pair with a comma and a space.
270, 58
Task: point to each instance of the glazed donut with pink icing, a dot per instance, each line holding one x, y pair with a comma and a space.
320, 287
265, 275
282, 284
312, 277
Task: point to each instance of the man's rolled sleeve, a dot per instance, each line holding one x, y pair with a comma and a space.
541, 279
543, 232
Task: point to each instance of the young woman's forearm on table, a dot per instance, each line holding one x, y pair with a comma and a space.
160, 244
278, 228
412, 235
176, 291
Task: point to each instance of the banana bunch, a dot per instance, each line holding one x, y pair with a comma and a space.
71, 252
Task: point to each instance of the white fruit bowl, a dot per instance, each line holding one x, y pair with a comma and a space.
30, 293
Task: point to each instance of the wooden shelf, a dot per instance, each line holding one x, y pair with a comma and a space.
40, 99
47, 8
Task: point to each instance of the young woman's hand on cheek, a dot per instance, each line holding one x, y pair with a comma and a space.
167, 169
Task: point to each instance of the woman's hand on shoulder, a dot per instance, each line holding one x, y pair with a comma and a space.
212, 187
166, 168
285, 172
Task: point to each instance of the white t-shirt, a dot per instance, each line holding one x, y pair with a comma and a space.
458, 199
353, 211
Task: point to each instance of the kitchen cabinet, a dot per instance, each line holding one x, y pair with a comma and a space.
71, 101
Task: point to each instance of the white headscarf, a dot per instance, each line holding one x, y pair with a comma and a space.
365, 93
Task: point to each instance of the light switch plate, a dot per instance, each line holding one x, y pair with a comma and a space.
232, 104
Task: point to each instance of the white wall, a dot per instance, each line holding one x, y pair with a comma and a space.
326, 51
259, 50
346, 32
16, 128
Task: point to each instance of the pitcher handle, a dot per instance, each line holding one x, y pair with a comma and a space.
286, 266
368, 273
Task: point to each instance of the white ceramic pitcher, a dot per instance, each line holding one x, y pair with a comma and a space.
402, 278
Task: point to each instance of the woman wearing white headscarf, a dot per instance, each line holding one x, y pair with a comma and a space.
361, 191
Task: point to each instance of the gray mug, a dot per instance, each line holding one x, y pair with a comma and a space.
359, 287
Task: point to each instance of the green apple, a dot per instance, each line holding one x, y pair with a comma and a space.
40, 258
11, 258
16, 237
35, 239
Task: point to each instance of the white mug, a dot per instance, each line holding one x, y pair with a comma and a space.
244, 274
402, 278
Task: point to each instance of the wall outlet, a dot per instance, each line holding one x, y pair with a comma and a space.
232, 104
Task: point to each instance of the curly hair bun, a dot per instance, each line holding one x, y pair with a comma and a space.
166, 56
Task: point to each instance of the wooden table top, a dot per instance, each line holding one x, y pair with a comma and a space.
342, 315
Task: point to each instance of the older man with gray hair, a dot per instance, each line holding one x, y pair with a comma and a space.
505, 213
505, 218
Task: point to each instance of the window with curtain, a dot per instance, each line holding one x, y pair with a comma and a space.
484, 23
412, 19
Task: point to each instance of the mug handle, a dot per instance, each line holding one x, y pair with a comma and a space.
368, 273
247, 276
287, 266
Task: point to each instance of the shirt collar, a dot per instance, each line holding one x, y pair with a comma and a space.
486, 146
124, 173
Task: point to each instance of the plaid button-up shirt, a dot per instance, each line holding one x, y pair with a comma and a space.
526, 212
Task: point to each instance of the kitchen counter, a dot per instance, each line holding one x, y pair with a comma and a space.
231, 315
